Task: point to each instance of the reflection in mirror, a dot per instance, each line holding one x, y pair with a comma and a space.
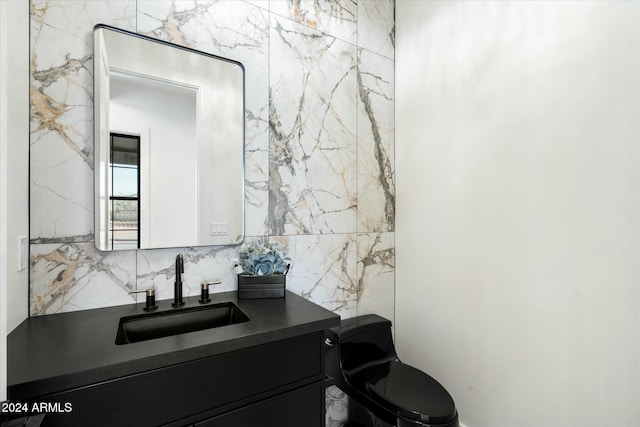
124, 184
169, 144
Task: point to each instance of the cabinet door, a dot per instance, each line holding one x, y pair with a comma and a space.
297, 408
208, 386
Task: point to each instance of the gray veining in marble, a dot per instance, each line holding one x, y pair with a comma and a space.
61, 92
376, 177
376, 274
324, 270
376, 26
312, 177
156, 268
337, 18
76, 276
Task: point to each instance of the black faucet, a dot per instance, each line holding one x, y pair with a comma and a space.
177, 286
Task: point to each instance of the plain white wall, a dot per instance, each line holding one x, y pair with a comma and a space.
14, 169
518, 127
169, 173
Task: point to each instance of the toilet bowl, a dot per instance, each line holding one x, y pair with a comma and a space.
382, 390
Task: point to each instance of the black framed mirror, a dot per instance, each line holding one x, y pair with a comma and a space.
182, 112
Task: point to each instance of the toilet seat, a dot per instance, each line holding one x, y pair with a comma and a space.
408, 392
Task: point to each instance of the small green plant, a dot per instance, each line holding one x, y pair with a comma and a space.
262, 258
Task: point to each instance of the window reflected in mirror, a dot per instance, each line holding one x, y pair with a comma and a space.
124, 191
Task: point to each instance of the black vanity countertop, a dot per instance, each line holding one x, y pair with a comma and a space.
52, 353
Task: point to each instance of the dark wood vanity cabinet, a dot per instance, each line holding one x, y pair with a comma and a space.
279, 384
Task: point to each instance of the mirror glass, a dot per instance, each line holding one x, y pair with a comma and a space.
169, 144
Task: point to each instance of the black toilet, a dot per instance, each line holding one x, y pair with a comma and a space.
382, 390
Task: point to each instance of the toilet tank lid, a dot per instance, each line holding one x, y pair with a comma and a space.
357, 325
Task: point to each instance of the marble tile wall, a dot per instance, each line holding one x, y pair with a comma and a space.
319, 149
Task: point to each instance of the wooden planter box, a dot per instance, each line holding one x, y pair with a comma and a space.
261, 286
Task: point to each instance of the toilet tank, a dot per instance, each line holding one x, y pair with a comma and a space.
362, 341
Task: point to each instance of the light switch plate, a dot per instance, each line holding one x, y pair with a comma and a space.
23, 252
219, 229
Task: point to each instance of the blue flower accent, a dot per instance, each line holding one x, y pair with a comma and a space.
263, 258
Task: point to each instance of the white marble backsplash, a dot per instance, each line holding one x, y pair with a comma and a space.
61, 88
376, 274
376, 173
76, 276
312, 179
157, 267
319, 150
338, 19
324, 270
376, 26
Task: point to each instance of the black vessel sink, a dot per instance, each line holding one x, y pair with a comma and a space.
162, 324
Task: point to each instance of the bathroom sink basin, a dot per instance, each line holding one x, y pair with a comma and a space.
150, 326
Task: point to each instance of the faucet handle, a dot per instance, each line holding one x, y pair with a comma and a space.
204, 291
148, 291
205, 285
150, 303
